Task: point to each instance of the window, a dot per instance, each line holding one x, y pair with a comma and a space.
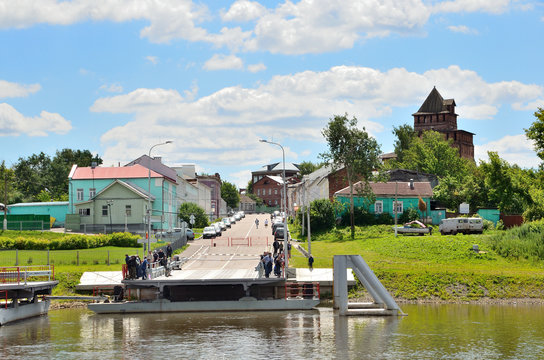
378, 207
79, 194
84, 212
269, 191
92, 193
269, 202
104, 210
258, 191
275, 202
128, 210
275, 191
398, 206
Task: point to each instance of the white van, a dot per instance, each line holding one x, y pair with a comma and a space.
461, 225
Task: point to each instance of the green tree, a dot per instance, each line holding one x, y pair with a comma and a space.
32, 175
434, 155
352, 148
258, 200
507, 186
322, 215
249, 189
187, 209
230, 194
405, 135
536, 133
308, 167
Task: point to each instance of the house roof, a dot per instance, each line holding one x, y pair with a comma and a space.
434, 103
244, 199
277, 167
125, 172
156, 165
390, 188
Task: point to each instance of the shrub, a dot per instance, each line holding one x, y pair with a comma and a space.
384, 219
322, 215
408, 215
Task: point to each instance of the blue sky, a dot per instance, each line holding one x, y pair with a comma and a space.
117, 77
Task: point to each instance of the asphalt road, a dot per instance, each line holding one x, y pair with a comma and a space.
238, 248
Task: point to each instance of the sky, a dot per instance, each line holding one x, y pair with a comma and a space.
116, 76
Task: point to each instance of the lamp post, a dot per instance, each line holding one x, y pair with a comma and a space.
149, 196
284, 198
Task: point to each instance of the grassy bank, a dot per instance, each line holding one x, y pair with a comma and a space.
431, 268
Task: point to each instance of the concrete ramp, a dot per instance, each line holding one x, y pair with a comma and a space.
383, 304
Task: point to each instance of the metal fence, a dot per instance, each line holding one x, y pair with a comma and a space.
27, 225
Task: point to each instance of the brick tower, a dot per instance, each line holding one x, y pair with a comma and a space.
439, 115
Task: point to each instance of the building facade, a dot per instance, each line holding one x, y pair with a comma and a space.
120, 195
439, 115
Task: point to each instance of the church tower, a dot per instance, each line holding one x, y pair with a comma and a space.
439, 115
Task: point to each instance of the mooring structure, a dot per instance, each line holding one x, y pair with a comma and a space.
383, 304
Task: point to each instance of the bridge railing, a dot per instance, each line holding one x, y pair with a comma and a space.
18, 274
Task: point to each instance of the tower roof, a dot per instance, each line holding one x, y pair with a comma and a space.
434, 103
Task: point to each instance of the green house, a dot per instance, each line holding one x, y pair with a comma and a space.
407, 195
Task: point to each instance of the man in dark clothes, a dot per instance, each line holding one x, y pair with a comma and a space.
276, 246
169, 251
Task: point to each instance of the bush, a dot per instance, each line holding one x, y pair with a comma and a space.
408, 215
322, 217
384, 219
525, 241
34, 241
188, 209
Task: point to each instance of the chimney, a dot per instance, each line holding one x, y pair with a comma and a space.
411, 184
158, 158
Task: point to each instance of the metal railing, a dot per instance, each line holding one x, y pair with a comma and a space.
18, 274
305, 290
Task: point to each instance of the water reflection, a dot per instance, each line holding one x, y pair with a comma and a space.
428, 332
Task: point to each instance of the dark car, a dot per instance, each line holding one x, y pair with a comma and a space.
276, 226
278, 234
190, 235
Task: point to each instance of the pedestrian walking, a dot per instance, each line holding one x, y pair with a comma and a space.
143, 268
169, 251
256, 223
311, 262
276, 246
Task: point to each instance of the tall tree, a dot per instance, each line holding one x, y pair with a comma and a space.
405, 135
536, 133
434, 155
352, 148
308, 167
32, 175
230, 194
187, 209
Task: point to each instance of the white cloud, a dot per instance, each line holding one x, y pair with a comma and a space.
140, 99
468, 6
254, 68
225, 126
113, 88
306, 26
152, 59
13, 123
12, 90
515, 149
240, 178
223, 62
463, 29
244, 10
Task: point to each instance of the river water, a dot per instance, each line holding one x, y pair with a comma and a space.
428, 332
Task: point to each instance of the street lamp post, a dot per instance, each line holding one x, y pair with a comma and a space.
149, 196
284, 198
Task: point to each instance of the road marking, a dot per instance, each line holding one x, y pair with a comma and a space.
226, 262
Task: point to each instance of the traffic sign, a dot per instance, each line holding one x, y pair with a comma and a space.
192, 219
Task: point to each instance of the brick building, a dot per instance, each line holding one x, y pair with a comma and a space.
439, 115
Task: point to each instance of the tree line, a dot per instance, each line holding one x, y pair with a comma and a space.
40, 177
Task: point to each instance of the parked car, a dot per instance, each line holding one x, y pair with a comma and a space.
226, 221
278, 234
461, 225
209, 232
276, 226
237, 217
190, 234
222, 225
218, 230
232, 220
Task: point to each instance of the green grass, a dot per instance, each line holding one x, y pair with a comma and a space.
431, 267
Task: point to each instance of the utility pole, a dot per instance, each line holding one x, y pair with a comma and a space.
308, 214
5, 226
303, 203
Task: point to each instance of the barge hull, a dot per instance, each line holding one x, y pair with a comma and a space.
23, 311
163, 305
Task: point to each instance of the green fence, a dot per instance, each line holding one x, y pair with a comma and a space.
28, 222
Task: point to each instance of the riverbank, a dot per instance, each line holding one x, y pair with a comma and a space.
432, 269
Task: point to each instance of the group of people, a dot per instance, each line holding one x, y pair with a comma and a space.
269, 263
137, 268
